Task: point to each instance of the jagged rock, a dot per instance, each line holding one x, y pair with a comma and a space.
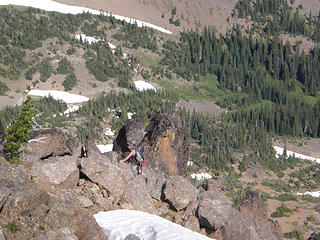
214, 209
155, 184
2, 235
192, 223
163, 139
23, 201
44, 144
251, 222
4, 194
63, 233
99, 169
66, 211
167, 151
179, 192
314, 236
85, 201
137, 197
130, 135
62, 171
131, 237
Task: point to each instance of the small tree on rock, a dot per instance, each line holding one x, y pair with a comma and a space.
17, 134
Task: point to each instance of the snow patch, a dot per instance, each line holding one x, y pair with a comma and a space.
37, 140
313, 194
143, 86
189, 163
49, 5
118, 224
201, 176
71, 108
109, 132
59, 95
129, 114
105, 148
86, 38
279, 152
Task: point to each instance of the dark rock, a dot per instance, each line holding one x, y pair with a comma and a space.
131, 237
251, 222
100, 169
214, 210
130, 135
163, 141
44, 144
167, 151
137, 197
62, 171
179, 192
314, 236
66, 212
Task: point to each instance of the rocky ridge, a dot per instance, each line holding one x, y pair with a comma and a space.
57, 189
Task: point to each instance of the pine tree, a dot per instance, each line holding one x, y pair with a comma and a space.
17, 134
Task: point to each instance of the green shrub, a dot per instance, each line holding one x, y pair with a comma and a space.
3, 88
69, 82
45, 70
294, 234
285, 197
64, 67
281, 211
12, 226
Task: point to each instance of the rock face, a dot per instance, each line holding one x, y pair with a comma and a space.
62, 171
251, 222
168, 152
163, 139
314, 236
213, 210
130, 135
179, 193
44, 144
30, 206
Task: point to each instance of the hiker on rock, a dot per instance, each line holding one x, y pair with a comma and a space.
137, 154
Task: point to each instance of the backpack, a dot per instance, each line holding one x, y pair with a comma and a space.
139, 157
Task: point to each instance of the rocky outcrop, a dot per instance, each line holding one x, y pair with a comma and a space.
34, 207
167, 151
251, 222
47, 143
63, 233
179, 192
163, 139
62, 171
130, 135
314, 236
214, 210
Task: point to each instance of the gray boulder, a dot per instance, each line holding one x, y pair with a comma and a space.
131, 237
63, 233
62, 171
137, 197
213, 210
44, 144
179, 192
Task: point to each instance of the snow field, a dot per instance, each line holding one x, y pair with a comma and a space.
59, 95
143, 86
313, 194
118, 224
49, 5
279, 152
105, 148
201, 176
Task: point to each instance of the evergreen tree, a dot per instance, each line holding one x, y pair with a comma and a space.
17, 134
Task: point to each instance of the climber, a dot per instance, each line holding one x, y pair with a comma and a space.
137, 154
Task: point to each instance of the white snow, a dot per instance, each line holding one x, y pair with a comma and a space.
111, 45
109, 132
279, 152
49, 5
105, 148
143, 86
129, 114
86, 38
59, 95
71, 108
201, 176
37, 140
189, 163
313, 194
118, 224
